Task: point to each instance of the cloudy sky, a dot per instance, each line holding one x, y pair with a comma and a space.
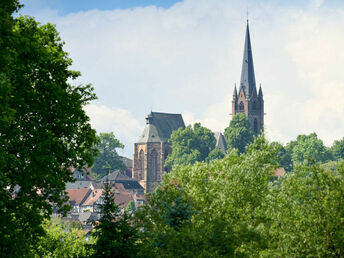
185, 57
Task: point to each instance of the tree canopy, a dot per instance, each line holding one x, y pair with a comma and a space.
115, 237
239, 133
309, 147
236, 207
44, 129
190, 144
107, 157
337, 149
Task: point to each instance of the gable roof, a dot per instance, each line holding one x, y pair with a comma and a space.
159, 127
118, 178
93, 197
220, 142
77, 196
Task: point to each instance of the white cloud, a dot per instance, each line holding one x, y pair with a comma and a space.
120, 121
186, 59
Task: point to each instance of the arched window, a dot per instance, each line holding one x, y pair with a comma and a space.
241, 106
254, 106
142, 164
255, 126
153, 171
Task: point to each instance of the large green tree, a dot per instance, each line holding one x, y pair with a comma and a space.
44, 129
239, 133
210, 209
337, 149
107, 158
309, 147
305, 214
190, 144
115, 236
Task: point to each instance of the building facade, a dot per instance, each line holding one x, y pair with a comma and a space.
152, 148
247, 101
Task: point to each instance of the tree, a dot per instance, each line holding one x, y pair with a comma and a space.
309, 147
46, 132
239, 134
115, 237
107, 157
211, 209
305, 210
62, 239
190, 144
337, 149
215, 154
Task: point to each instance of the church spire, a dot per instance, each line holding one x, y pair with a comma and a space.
248, 81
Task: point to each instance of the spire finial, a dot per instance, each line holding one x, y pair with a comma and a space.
247, 15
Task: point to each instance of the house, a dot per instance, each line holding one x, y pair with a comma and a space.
84, 199
130, 184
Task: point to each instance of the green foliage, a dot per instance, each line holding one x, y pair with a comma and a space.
210, 209
44, 129
309, 147
215, 154
62, 239
190, 145
234, 207
115, 237
130, 207
107, 158
238, 134
337, 149
306, 214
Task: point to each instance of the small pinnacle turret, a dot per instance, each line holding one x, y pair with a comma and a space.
235, 93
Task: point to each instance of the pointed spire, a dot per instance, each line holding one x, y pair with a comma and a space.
248, 81
235, 92
260, 94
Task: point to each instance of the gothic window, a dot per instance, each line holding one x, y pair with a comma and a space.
153, 173
241, 106
142, 165
255, 126
254, 106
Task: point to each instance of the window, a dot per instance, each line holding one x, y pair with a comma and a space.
142, 165
241, 106
153, 173
255, 126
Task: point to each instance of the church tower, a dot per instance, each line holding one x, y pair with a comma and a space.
247, 101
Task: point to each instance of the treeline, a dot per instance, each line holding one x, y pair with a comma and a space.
228, 207
197, 144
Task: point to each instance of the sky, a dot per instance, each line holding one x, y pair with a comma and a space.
185, 57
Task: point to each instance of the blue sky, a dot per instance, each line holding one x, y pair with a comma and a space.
71, 6
185, 57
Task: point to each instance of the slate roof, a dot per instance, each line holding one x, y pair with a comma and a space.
78, 184
118, 178
248, 81
159, 127
220, 142
114, 176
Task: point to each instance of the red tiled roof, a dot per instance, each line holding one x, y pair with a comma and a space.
77, 195
279, 172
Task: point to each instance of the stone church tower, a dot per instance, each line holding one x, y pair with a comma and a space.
152, 148
247, 101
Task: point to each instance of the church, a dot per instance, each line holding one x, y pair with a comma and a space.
152, 148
